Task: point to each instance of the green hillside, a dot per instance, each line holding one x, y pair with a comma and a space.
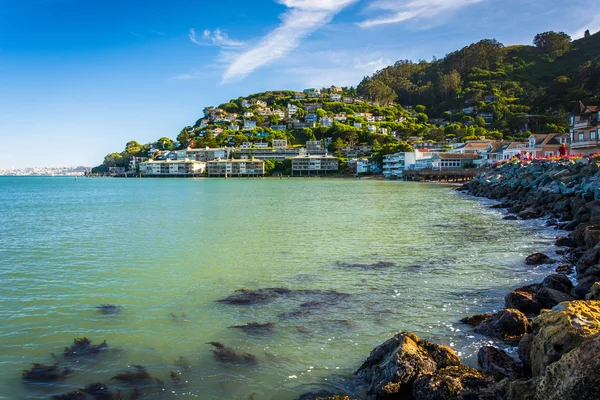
543, 80
483, 90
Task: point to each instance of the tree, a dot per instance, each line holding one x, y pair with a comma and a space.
587, 33
553, 43
184, 138
133, 148
419, 108
164, 143
269, 166
376, 91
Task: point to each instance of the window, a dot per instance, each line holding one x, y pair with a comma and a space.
531, 142
549, 154
592, 135
580, 137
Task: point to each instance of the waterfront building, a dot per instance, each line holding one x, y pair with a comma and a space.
584, 129
547, 145
314, 164
235, 168
172, 168
443, 161
206, 154
358, 166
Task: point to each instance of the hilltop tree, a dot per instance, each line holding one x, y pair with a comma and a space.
587, 33
553, 43
376, 91
164, 143
133, 148
184, 138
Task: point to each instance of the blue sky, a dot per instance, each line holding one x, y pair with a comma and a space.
79, 78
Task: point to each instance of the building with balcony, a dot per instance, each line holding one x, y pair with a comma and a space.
546, 145
305, 165
172, 168
583, 130
235, 168
203, 155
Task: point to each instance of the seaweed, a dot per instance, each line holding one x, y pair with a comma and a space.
45, 373
84, 347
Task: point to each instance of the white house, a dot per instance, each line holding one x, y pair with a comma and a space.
292, 109
335, 97
327, 121
279, 144
372, 128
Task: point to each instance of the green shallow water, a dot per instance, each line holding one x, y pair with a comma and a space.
175, 246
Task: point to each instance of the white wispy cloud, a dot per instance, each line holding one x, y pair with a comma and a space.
401, 11
214, 38
302, 18
593, 25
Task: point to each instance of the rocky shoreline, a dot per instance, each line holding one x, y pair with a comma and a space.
554, 324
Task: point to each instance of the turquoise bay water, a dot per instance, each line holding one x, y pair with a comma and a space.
167, 249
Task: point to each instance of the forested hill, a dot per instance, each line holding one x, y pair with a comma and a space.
545, 78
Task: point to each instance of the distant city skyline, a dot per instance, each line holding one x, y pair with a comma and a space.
79, 79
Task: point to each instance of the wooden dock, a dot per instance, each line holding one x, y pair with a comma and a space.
445, 175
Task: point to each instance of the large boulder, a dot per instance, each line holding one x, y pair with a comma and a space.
524, 299
456, 382
538, 259
508, 325
558, 282
589, 259
561, 330
548, 298
594, 293
591, 235
392, 367
575, 376
498, 364
584, 286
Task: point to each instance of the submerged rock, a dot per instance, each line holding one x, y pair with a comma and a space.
75, 395
45, 373
255, 327
265, 295
84, 347
377, 265
538, 259
227, 354
498, 364
137, 374
100, 391
109, 308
